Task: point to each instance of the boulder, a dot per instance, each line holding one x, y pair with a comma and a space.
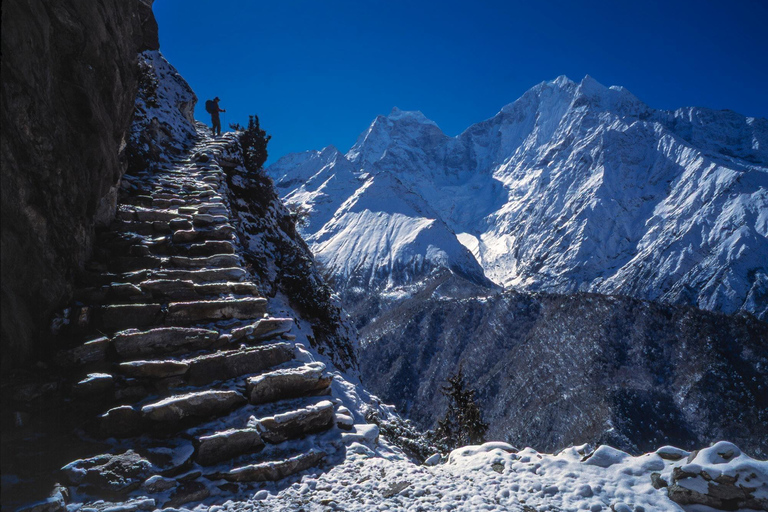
287, 383
108, 473
226, 445
720, 477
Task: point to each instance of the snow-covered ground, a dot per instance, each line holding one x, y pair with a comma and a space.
495, 476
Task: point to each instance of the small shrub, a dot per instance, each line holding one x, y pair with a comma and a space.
254, 141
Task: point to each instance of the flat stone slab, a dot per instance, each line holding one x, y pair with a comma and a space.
163, 340
153, 369
222, 288
89, 352
182, 313
226, 445
265, 328
211, 247
234, 363
272, 471
218, 261
200, 276
174, 289
298, 423
121, 316
287, 383
93, 384
120, 421
201, 404
222, 232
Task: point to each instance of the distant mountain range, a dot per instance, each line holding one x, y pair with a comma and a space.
573, 187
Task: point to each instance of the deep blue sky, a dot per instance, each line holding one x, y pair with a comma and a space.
317, 72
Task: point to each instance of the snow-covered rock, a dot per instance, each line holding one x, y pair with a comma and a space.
574, 186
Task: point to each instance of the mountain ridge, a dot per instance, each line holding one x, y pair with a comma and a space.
577, 187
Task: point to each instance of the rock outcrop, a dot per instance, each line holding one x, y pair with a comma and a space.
69, 84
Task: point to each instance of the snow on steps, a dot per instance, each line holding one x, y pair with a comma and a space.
188, 342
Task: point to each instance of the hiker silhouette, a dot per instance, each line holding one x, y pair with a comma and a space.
212, 107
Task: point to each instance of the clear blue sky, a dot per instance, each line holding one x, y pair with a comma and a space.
317, 72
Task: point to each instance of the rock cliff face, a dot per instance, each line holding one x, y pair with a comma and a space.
69, 82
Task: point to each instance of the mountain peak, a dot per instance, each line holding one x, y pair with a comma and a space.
410, 115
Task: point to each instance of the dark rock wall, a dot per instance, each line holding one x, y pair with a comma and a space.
558, 370
68, 89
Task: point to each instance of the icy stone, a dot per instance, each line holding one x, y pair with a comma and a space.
273, 471
287, 383
298, 423
190, 312
200, 404
162, 340
226, 445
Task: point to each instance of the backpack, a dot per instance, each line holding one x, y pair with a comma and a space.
210, 106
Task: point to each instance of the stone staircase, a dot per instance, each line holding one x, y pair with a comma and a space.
183, 366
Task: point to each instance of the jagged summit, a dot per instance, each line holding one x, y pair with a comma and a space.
579, 186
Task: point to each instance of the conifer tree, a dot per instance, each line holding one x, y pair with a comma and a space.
463, 423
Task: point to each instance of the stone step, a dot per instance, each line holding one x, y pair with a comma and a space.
221, 232
139, 228
264, 329
211, 247
271, 471
225, 445
169, 289
117, 317
185, 313
149, 214
162, 341
205, 219
132, 264
196, 276
166, 203
153, 369
228, 364
287, 383
299, 423
173, 410
214, 261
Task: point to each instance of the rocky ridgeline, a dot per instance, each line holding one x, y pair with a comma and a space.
194, 385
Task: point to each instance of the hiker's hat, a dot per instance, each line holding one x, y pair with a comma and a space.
216, 98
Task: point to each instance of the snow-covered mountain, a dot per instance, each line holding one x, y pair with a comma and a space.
573, 187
